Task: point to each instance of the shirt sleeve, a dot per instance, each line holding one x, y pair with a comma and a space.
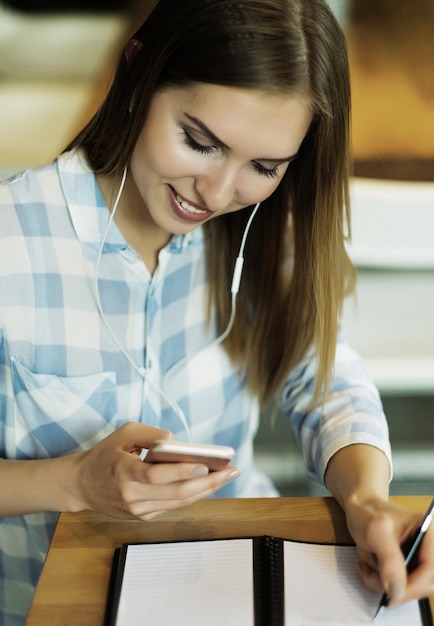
353, 412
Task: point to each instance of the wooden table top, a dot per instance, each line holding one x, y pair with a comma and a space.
73, 586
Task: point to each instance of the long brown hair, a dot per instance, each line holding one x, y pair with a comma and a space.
285, 306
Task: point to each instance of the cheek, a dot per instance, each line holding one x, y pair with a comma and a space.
256, 188
271, 184
165, 158
145, 159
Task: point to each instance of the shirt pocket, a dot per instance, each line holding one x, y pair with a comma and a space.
55, 415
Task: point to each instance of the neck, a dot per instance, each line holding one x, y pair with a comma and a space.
133, 219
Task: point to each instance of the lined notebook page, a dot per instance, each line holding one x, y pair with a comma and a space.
323, 586
162, 582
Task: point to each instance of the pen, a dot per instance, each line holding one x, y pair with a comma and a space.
411, 550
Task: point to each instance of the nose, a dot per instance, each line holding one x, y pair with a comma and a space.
217, 187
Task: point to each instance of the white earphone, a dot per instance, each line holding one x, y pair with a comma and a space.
235, 285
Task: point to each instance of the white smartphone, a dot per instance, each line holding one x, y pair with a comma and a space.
166, 451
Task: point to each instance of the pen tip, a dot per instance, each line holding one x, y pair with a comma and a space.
377, 612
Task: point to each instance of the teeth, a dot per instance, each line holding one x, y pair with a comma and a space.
188, 207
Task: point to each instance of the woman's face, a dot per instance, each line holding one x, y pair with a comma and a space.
206, 150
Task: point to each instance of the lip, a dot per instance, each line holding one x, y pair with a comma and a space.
182, 213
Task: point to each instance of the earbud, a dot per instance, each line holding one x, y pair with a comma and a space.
239, 263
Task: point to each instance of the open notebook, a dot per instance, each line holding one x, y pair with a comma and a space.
260, 581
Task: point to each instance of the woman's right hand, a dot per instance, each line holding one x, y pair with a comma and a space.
111, 478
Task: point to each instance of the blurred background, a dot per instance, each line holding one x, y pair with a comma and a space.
56, 60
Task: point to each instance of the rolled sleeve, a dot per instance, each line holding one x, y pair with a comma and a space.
352, 414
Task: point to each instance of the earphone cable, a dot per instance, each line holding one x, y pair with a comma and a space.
141, 371
235, 285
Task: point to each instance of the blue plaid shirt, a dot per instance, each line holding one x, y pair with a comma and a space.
65, 383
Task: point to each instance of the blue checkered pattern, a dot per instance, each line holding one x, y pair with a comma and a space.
65, 384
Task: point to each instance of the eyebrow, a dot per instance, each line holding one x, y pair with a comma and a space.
219, 142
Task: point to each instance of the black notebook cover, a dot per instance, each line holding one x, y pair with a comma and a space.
268, 584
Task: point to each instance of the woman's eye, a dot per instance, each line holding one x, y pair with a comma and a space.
263, 171
204, 149
198, 147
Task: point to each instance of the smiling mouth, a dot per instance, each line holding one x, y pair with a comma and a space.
194, 210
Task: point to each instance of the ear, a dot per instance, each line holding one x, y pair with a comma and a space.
131, 49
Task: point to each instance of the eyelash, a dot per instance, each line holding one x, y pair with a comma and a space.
274, 173
198, 147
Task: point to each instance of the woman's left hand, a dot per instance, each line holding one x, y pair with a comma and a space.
379, 529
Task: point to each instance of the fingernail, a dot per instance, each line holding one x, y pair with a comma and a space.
200, 470
232, 474
396, 591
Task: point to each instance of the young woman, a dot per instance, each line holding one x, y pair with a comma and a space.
225, 133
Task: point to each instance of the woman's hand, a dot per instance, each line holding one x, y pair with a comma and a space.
111, 478
379, 529
358, 476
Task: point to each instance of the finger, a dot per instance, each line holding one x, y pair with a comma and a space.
185, 478
370, 578
147, 511
134, 436
163, 473
420, 583
368, 558
385, 547
156, 474
142, 499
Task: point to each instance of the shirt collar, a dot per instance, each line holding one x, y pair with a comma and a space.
89, 213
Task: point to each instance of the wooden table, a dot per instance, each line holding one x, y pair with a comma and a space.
73, 585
